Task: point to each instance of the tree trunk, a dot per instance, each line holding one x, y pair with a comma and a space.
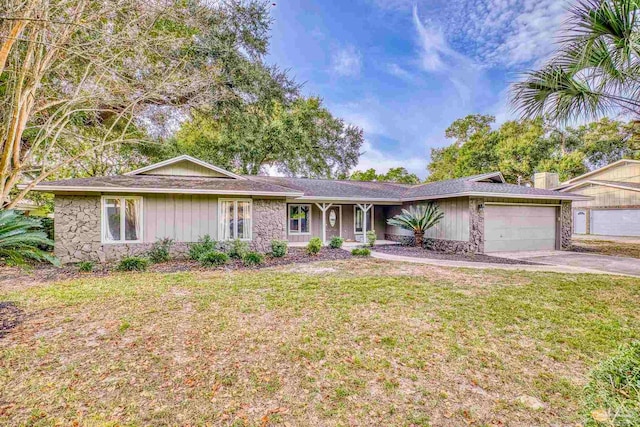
419, 238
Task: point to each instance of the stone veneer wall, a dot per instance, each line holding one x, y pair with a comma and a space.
77, 230
269, 223
566, 225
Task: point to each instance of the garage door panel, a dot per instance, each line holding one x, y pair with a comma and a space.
615, 222
520, 228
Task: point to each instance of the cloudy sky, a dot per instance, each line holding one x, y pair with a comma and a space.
404, 70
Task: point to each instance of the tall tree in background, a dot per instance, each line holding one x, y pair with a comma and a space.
521, 148
296, 137
399, 175
78, 77
596, 70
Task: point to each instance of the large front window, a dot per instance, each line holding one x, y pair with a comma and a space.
121, 219
359, 219
299, 219
235, 219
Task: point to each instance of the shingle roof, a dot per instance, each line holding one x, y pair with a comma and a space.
179, 183
304, 188
338, 188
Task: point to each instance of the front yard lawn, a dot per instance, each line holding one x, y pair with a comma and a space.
355, 342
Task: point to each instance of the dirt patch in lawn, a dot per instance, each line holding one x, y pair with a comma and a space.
20, 277
607, 247
415, 252
10, 317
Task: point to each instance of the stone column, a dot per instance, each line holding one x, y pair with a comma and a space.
476, 224
566, 223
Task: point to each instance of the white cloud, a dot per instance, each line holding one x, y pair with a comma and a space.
346, 61
373, 158
398, 71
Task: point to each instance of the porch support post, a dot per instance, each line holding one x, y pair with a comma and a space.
365, 213
323, 208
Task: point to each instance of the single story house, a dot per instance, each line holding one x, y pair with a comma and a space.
105, 218
612, 206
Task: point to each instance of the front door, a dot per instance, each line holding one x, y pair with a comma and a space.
580, 222
334, 221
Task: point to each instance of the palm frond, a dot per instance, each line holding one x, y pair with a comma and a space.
20, 237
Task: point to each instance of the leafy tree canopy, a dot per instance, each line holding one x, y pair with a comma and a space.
399, 175
521, 148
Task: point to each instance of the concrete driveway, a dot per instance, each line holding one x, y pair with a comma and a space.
595, 263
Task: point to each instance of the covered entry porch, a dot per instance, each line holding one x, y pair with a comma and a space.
327, 219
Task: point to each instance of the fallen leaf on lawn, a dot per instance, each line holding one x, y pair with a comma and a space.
600, 415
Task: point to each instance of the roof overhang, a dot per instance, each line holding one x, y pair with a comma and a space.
187, 158
500, 195
347, 200
589, 183
493, 176
83, 189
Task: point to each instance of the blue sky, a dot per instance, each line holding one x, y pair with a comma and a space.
405, 70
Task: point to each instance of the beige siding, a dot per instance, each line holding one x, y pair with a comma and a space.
316, 225
606, 197
453, 226
629, 172
184, 218
185, 168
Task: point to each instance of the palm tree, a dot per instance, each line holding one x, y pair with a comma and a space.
596, 70
418, 219
19, 239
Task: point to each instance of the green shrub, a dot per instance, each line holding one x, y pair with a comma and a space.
371, 237
237, 248
336, 242
85, 266
213, 259
253, 258
205, 244
361, 252
314, 246
133, 263
279, 248
160, 250
612, 396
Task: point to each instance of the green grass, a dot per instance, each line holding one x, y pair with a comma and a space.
607, 247
366, 343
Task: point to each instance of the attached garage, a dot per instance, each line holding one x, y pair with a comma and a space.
615, 222
520, 228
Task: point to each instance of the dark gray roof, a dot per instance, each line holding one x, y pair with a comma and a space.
468, 185
169, 182
338, 188
304, 187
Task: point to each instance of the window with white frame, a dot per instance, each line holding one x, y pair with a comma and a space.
299, 219
235, 219
358, 221
121, 219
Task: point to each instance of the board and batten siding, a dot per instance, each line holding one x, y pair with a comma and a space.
453, 226
628, 172
183, 218
606, 197
185, 168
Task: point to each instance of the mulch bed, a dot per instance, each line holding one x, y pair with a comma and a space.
40, 273
415, 252
10, 317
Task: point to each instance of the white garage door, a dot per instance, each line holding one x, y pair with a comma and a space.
519, 228
616, 222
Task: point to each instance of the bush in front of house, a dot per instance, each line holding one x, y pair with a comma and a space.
160, 250
213, 259
203, 245
371, 237
361, 252
314, 246
612, 396
237, 248
85, 266
133, 263
336, 242
252, 258
279, 248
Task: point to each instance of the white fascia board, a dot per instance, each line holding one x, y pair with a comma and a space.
609, 166
600, 183
499, 195
68, 189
